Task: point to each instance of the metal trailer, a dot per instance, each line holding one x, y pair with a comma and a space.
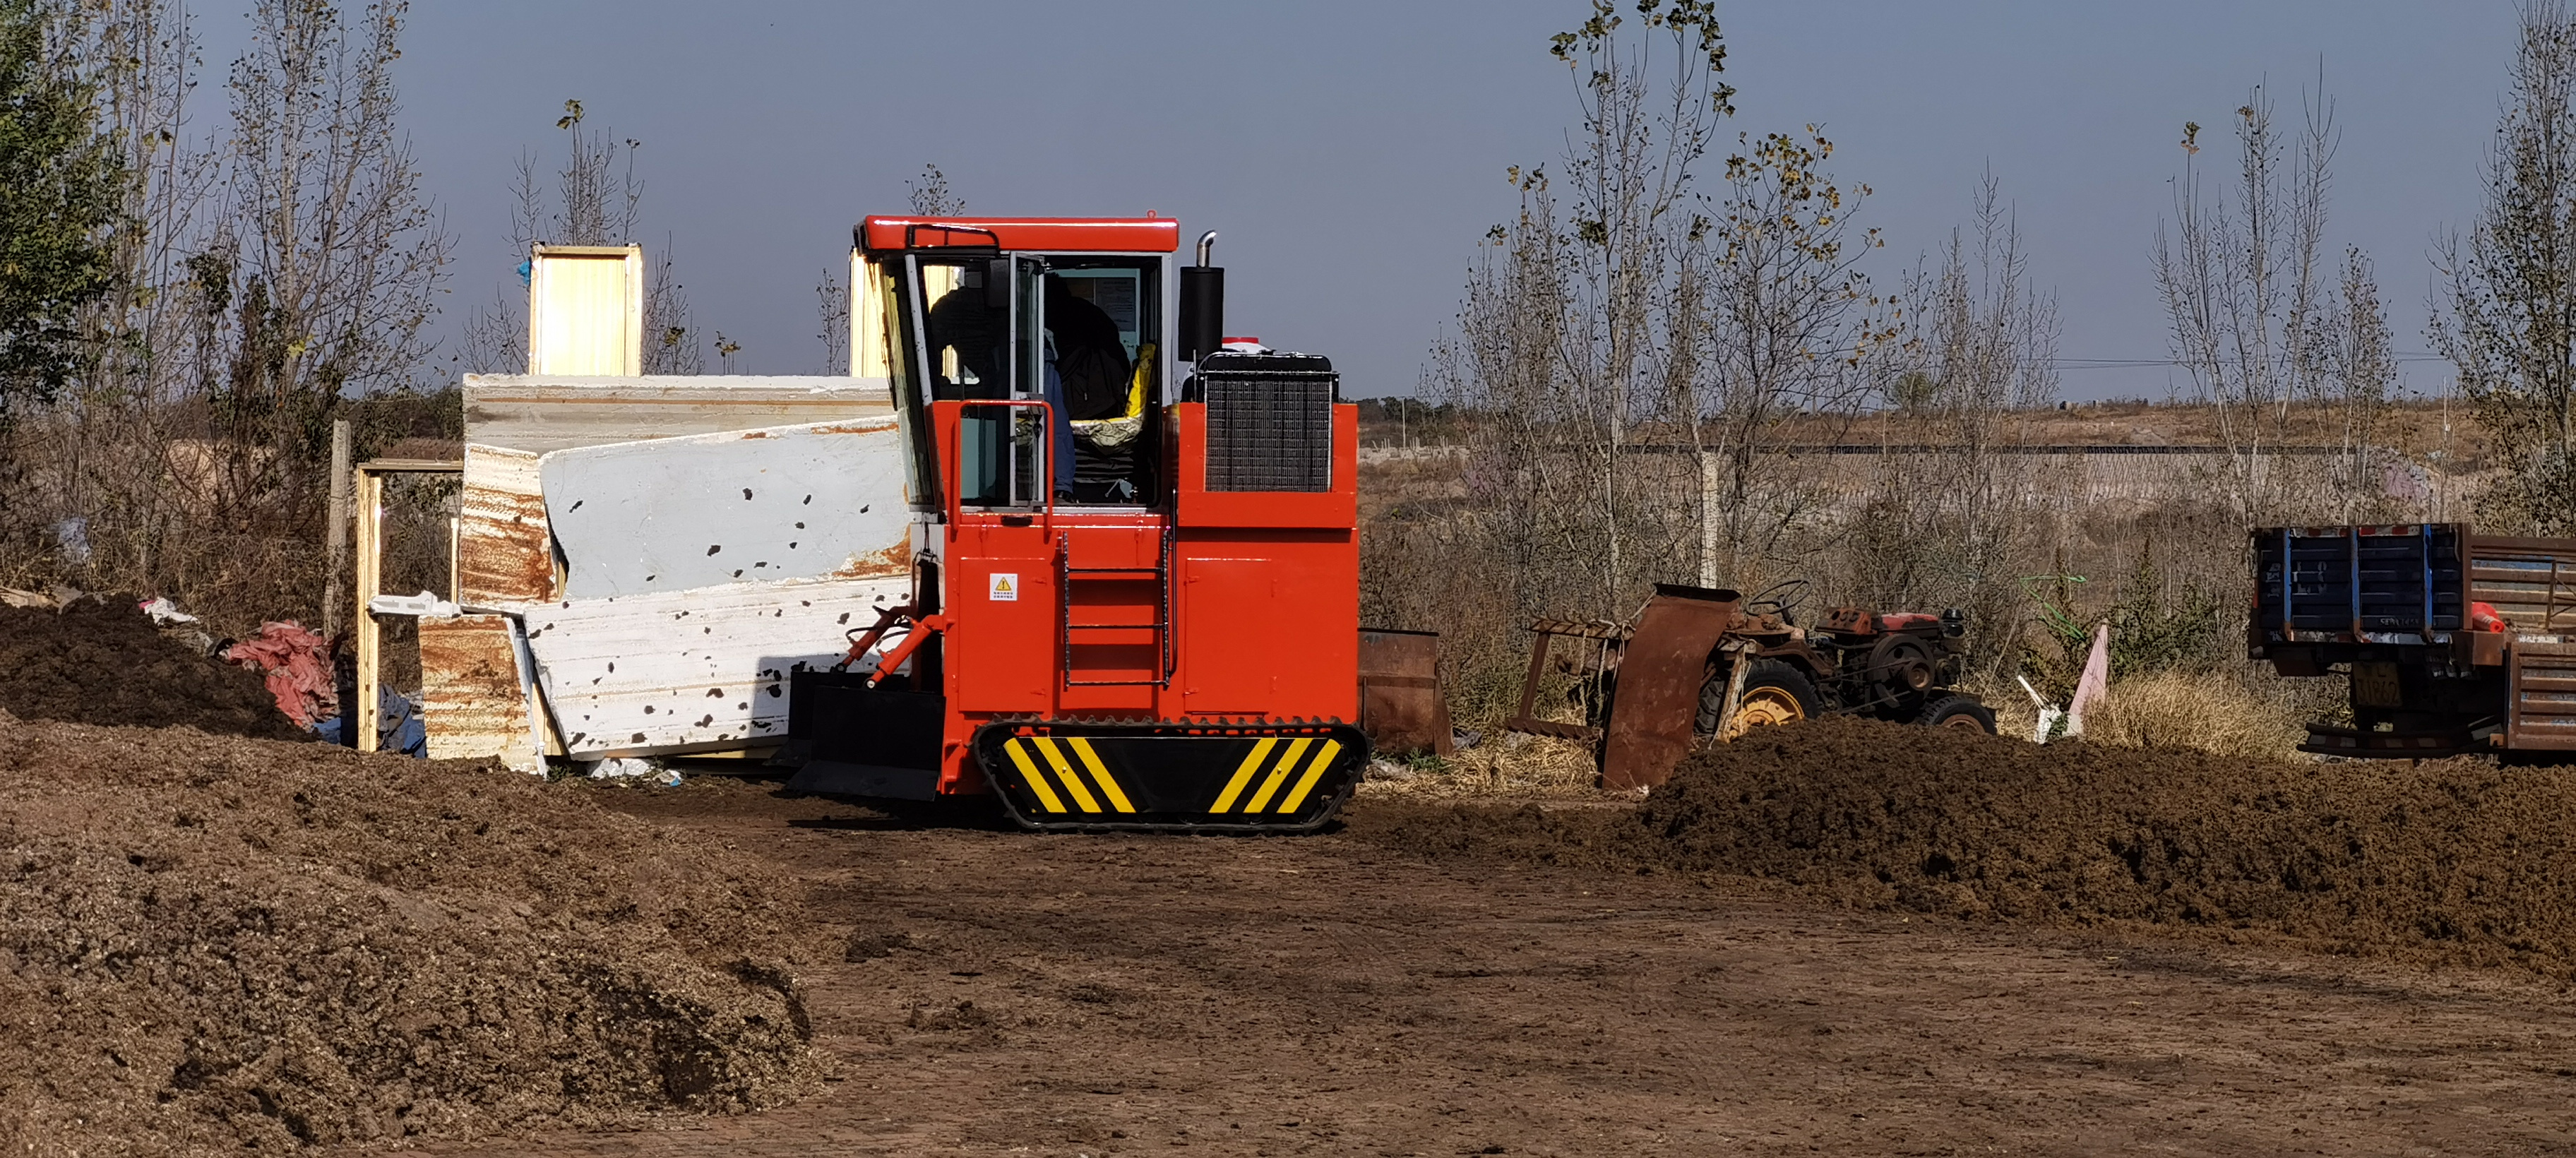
2452, 640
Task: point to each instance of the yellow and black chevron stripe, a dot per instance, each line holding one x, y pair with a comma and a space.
1043, 766
1276, 763
1081, 775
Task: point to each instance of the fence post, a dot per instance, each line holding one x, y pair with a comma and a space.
335, 591
1709, 467
371, 502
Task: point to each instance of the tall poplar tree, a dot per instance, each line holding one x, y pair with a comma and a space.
60, 184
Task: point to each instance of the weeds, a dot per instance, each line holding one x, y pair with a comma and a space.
1511, 766
2216, 712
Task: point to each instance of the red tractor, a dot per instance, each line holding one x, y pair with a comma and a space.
1135, 595
1701, 665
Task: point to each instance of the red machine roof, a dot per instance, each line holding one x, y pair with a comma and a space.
1078, 234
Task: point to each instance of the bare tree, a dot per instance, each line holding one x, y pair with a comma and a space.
833, 301
1556, 343
330, 257
2506, 315
595, 199
2243, 285
1789, 323
147, 59
111, 439
671, 343
2361, 365
1646, 120
931, 196
1578, 334
1948, 522
599, 197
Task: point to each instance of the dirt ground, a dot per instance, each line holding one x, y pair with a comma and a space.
1000, 993
100, 661
2435, 862
216, 944
1840, 938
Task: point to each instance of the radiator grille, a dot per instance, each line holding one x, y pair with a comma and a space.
1269, 430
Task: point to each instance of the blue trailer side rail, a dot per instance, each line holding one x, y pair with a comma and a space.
2397, 584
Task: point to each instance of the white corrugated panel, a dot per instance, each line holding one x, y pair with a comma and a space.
788, 502
699, 670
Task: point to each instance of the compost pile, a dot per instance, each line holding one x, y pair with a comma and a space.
218, 943
103, 662
2456, 861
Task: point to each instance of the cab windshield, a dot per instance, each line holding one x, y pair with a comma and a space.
1073, 331
967, 325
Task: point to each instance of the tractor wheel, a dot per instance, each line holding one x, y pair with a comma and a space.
1957, 710
1774, 693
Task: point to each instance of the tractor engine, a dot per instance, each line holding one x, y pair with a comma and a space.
1886, 664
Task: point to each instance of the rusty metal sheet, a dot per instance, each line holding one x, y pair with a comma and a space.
471, 706
692, 671
541, 413
2541, 697
1598, 642
788, 502
1401, 708
504, 550
1660, 676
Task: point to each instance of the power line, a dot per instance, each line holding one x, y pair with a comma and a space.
2150, 363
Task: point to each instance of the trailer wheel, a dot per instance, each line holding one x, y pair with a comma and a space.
1774, 693
1957, 710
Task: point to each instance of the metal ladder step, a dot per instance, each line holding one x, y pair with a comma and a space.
1160, 573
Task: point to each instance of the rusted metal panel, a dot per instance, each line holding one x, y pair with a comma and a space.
1401, 708
471, 704
504, 551
1660, 676
669, 514
2530, 582
2542, 697
540, 413
696, 670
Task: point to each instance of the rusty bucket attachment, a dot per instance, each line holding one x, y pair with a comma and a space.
1659, 683
1602, 643
1648, 685
1400, 704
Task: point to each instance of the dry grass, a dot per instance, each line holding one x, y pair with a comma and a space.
1504, 767
2210, 712
2227, 713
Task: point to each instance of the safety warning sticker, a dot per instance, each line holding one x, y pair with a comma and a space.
1005, 587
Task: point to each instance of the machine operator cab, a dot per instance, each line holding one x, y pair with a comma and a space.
1081, 326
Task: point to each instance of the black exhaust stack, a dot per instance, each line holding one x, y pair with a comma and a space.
1202, 304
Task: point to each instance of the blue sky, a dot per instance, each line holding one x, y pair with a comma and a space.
1352, 153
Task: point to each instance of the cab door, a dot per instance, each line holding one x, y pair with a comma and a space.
982, 351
